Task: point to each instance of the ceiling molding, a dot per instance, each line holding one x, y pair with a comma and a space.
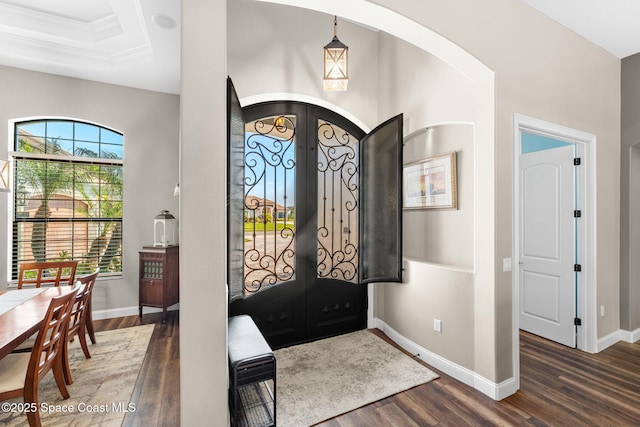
110, 41
39, 25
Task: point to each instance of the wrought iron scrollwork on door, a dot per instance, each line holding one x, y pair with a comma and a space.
269, 256
337, 203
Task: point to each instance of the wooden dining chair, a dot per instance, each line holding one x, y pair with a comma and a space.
20, 373
89, 318
78, 323
47, 273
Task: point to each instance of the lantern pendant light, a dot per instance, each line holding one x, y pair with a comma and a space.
336, 62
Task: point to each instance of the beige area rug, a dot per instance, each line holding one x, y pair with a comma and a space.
326, 378
102, 386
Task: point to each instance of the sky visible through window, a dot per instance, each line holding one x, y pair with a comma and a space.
79, 139
273, 175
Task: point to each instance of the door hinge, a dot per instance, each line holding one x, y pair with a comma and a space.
577, 267
577, 161
577, 321
577, 213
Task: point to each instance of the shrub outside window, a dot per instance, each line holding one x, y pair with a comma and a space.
67, 188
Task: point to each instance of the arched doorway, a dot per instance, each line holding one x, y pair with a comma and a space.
311, 218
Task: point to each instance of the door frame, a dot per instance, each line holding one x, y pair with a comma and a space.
586, 298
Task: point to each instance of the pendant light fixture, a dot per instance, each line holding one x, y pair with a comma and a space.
336, 62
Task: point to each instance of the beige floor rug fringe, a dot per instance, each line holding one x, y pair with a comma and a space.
102, 386
326, 378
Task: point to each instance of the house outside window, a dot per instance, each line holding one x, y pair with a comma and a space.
67, 195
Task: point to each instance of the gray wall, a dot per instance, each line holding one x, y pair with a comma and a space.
203, 183
630, 196
149, 122
545, 71
442, 236
439, 246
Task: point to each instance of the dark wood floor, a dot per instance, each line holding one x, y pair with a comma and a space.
559, 387
157, 391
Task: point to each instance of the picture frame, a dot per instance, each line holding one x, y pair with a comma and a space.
431, 183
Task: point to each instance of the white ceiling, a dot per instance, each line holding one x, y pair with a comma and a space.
137, 42
610, 24
124, 42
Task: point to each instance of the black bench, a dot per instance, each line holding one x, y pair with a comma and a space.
252, 366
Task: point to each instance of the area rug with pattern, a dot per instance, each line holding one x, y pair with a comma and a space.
102, 385
326, 378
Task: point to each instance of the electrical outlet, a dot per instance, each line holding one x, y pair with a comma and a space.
437, 325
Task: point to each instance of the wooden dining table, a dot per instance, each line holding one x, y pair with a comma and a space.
23, 320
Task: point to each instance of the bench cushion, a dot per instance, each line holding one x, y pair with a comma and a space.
245, 340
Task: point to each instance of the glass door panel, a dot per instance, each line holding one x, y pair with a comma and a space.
269, 211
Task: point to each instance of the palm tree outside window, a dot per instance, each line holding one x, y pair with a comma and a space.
67, 202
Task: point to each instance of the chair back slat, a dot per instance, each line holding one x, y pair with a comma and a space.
78, 307
82, 303
47, 273
51, 337
80, 316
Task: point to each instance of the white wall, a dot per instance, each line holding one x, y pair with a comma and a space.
149, 122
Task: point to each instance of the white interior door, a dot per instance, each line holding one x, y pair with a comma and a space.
547, 244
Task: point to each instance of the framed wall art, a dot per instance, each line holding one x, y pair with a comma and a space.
431, 183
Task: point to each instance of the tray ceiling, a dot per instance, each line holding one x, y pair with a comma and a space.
136, 43
126, 42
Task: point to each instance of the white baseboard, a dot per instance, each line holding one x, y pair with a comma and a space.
127, 311
631, 336
495, 391
460, 373
608, 340
619, 335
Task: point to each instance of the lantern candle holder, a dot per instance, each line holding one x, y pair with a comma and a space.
165, 229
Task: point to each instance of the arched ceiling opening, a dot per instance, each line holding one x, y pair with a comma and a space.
369, 14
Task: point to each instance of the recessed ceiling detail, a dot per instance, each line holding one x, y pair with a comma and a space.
112, 41
38, 24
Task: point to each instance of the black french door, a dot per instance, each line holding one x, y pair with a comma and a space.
313, 217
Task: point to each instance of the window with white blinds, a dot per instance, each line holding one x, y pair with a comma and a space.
67, 194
